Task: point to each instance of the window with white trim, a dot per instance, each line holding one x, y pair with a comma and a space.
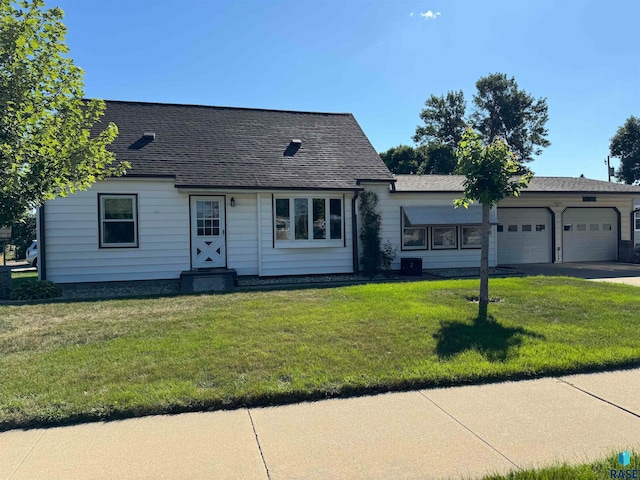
308, 220
637, 220
118, 224
413, 237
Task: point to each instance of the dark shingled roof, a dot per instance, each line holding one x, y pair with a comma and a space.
454, 183
243, 148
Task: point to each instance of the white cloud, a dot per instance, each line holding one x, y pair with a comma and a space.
429, 15
411, 14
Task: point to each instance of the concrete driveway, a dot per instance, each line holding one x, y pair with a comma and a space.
598, 271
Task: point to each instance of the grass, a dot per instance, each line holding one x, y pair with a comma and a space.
65, 362
598, 470
18, 278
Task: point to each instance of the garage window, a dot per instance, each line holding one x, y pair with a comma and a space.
540, 228
526, 228
606, 226
512, 228
582, 227
594, 227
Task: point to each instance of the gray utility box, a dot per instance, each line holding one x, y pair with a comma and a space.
411, 266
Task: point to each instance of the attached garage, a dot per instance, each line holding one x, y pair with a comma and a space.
590, 235
524, 235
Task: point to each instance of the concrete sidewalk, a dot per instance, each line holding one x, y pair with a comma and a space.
439, 433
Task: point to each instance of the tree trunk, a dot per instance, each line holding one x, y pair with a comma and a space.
484, 265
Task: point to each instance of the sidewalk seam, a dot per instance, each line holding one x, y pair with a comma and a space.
26, 455
598, 398
471, 431
255, 433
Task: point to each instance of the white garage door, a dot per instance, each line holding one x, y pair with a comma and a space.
589, 235
524, 235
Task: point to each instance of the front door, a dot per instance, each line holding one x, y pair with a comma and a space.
207, 232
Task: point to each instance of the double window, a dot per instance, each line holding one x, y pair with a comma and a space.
118, 215
316, 220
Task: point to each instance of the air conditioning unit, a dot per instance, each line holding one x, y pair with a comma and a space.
411, 267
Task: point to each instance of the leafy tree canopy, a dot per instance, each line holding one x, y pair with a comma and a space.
45, 144
444, 120
490, 171
501, 110
625, 145
403, 159
435, 158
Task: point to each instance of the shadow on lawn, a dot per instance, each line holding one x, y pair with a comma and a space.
485, 335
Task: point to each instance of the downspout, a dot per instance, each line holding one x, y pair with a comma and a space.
42, 249
354, 233
259, 208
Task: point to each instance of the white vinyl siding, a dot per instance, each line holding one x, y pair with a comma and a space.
282, 258
72, 235
242, 234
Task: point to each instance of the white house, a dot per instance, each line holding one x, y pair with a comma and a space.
267, 193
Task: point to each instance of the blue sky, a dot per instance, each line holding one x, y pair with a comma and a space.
379, 60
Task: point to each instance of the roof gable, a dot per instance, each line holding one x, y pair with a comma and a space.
243, 148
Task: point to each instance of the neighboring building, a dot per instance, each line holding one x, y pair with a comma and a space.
268, 192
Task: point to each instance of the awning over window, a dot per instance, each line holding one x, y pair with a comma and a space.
445, 215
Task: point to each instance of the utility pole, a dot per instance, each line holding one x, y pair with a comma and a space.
609, 168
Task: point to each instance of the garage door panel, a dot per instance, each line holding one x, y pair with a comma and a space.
525, 235
589, 235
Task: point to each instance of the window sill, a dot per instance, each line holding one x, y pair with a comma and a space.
309, 244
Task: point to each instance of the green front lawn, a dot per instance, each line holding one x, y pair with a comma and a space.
78, 361
18, 278
598, 470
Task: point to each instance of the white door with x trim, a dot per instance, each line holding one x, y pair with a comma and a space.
207, 232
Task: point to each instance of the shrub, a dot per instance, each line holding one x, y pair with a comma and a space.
36, 290
387, 255
370, 232
374, 256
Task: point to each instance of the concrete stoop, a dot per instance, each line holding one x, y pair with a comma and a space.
211, 280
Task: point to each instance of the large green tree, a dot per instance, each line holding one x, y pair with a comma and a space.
503, 110
625, 145
435, 158
500, 110
47, 148
490, 175
403, 159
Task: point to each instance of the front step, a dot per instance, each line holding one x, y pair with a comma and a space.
214, 280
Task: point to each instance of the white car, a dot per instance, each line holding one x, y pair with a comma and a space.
32, 254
